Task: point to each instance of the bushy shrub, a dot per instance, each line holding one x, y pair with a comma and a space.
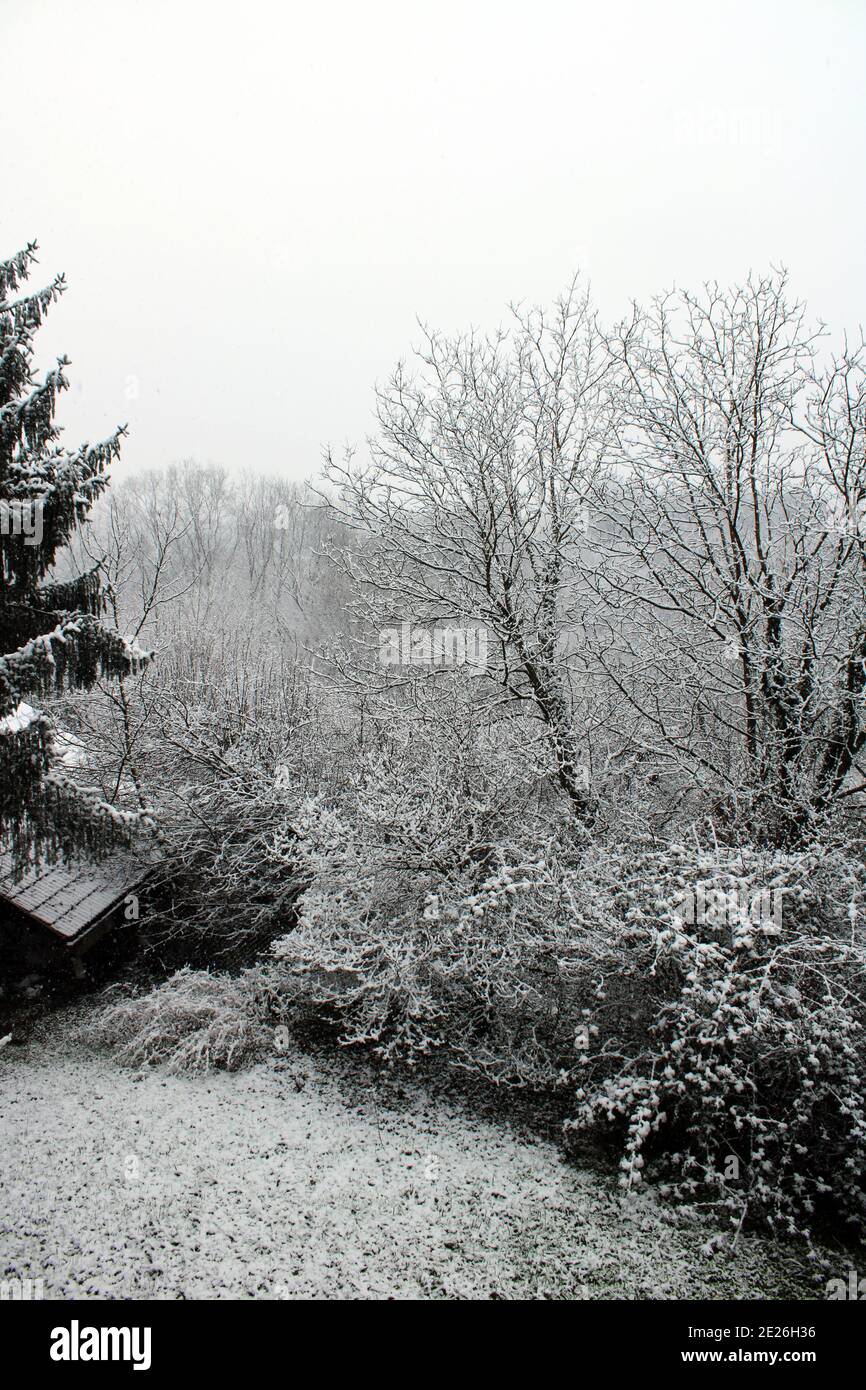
747, 1076
706, 1007
474, 959
195, 1021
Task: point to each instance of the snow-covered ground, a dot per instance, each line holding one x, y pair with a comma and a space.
303, 1178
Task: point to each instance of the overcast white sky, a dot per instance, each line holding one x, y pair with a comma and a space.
253, 202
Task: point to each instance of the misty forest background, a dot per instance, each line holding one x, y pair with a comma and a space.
622, 866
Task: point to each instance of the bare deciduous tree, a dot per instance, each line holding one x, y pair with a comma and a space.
730, 572
472, 506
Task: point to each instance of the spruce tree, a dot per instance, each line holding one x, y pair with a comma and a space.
51, 635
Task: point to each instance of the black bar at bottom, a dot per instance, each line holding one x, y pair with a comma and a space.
231, 1339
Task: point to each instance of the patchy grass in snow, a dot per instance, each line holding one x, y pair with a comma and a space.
307, 1177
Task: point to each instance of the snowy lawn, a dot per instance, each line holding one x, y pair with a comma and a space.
307, 1178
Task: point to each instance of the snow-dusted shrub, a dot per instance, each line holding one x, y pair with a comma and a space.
441, 912
427, 925
225, 895
746, 1077
708, 1008
195, 1021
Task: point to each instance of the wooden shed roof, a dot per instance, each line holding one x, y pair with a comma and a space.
67, 900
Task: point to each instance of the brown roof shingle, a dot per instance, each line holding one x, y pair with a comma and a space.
67, 899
